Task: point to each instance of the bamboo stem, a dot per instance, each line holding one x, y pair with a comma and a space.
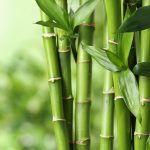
113, 9
83, 100
59, 121
65, 65
143, 130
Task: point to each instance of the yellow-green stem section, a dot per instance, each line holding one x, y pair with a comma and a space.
143, 129
113, 8
64, 51
83, 98
59, 122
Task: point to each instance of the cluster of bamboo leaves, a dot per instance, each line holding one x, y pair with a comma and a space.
116, 61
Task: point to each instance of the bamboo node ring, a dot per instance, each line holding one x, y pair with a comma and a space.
57, 119
110, 91
144, 100
64, 50
118, 98
88, 24
88, 100
84, 61
82, 141
141, 134
54, 79
106, 136
68, 98
113, 42
48, 35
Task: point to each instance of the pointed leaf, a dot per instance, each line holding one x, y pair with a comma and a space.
129, 89
139, 20
49, 24
84, 12
105, 58
142, 69
54, 12
148, 144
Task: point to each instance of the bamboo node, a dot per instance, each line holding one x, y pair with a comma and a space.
54, 79
118, 98
141, 134
110, 91
144, 100
130, 3
83, 61
88, 100
113, 42
82, 141
88, 24
68, 98
57, 119
106, 136
64, 50
48, 35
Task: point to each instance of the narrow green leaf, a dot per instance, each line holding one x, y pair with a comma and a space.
139, 20
84, 12
54, 12
105, 58
49, 24
129, 89
142, 68
148, 144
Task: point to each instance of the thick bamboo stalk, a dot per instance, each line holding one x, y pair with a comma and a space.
54, 80
83, 98
143, 130
65, 64
113, 8
106, 136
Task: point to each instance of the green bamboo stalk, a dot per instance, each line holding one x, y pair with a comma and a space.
113, 8
83, 98
55, 86
143, 129
65, 63
106, 136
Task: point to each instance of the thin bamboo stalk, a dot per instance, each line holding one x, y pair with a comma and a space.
113, 9
143, 129
106, 135
55, 86
83, 98
65, 64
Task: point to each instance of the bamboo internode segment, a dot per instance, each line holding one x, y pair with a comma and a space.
82, 141
84, 61
54, 79
48, 35
112, 42
106, 136
110, 91
88, 24
68, 98
118, 98
58, 119
141, 134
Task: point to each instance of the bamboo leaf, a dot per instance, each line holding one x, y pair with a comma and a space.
84, 12
129, 89
105, 58
148, 144
49, 24
142, 68
54, 12
139, 20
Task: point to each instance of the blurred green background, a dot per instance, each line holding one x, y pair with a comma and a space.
25, 113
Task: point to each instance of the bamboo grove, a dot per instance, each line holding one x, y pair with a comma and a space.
126, 60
